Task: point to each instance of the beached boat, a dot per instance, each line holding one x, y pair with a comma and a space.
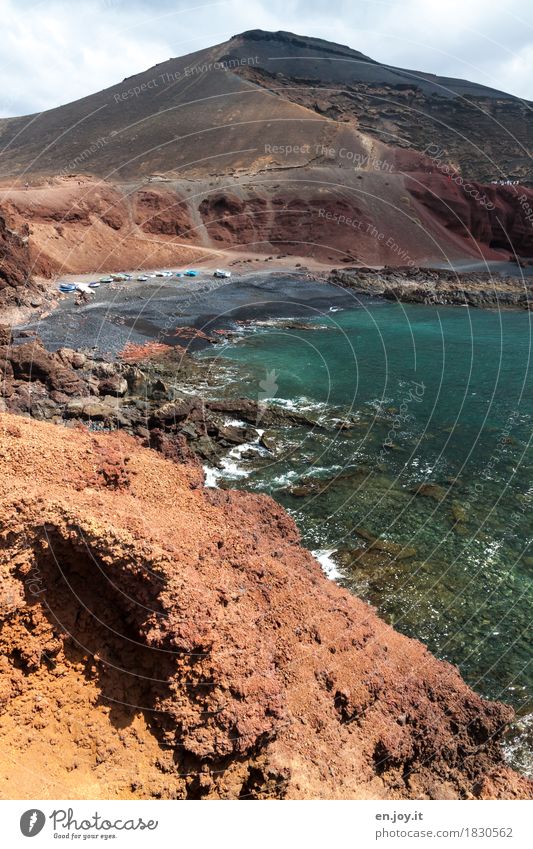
106, 279
94, 284
85, 288
191, 273
67, 287
142, 278
219, 272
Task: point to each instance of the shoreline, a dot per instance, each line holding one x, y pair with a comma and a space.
164, 417
483, 289
488, 285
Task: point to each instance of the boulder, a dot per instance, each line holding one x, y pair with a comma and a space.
6, 335
115, 386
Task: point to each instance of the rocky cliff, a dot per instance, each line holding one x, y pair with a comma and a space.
160, 640
17, 286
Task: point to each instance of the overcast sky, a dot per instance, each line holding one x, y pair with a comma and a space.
54, 51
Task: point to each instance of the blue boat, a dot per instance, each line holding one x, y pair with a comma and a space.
67, 287
191, 273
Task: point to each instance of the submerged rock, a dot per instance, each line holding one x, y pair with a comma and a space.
399, 552
430, 490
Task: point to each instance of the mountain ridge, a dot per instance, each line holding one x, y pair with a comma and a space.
266, 142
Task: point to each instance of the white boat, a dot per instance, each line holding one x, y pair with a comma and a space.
143, 278
85, 288
219, 272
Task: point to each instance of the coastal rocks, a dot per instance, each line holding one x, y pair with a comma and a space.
105, 410
174, 412
438, 286
72, 386
72, 358
270, 441
31, 362
255, 412
224, 664
116, 386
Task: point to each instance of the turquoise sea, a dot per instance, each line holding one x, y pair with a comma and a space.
437, 460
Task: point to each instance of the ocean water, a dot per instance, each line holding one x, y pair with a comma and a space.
436, 462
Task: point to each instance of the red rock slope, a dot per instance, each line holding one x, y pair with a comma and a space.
163, 640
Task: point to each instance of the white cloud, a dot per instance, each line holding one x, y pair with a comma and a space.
56, 51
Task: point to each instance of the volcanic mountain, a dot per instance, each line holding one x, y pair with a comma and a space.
270, 142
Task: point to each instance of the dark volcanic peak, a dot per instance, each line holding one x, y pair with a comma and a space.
304, 56
283, 37
235, 108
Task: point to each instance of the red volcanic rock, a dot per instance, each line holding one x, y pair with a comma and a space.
164, 213
494, 216
6, 334
161, 640
235, 220
16, 265
32, 362
136, 353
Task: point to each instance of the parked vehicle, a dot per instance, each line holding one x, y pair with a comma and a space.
221, 273
191, 273
142, 278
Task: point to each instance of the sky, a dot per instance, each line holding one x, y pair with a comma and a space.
55, 51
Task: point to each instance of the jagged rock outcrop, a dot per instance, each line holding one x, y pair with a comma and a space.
16, 285
163, 640
439, 286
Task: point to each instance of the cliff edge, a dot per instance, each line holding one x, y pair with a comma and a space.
162, 640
